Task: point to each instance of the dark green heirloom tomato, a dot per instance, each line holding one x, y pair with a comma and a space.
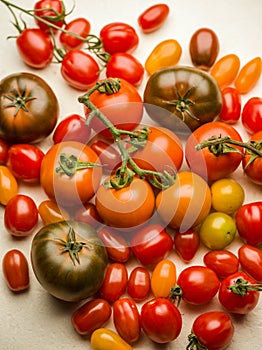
69, 260
182, 98
28, 108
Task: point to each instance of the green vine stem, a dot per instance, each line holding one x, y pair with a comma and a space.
69, 164
242, 287
194, 343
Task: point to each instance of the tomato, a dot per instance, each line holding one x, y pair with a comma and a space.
223, 262
119, 37
90, 316
249, 75
35, 47
126, 207
231, 105
72, 128
4, 146
216, 162
66, 171
191, 201
188, 97
204, 48
24, 161
79, 26
163, 278
123, 108
21, 215
252, 115
225, 70
186, 244
15, 270
252, 162
153, 17
79, 69
28, 109
126, 319
250, 259
165, 54
151, 244
88, 214
237, 294
68, 260
249, 222
227, 195
109, 156
138, 286
52, 11
114, 283
106, 339
161, 320
196, 285
50, 212
212, 330
8, 185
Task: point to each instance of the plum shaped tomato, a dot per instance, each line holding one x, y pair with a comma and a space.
153, 17
252, 161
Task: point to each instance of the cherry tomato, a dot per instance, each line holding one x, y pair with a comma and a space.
186, 244
79, 69
119, 37
21, 215
3, 151
24, 161
223, 262
249, 222
237, 294
151, 244
215, 163
252, 163
8, 185
204, 48
50, 212
115, 282
72, 128
249, 75
252, 115
88, 213
231, 105
90, 316
109, 156
106, 339
250, 259
191, 201
35, 47
163, 278
153, 17
161, 320
138, 286
212, 330
165, 54
49, 8
226, 69
15, 270
127, 319
79, 26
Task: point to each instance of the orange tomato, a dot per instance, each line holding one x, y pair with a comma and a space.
225, 69
249, 75
51, 212
163, 278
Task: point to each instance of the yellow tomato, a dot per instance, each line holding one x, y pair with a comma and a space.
163, 278
106, 339
8, 185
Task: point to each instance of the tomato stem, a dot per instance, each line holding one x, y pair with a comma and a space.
176, 293
69, 164
183, 103
18, 100
194, 343
242, 287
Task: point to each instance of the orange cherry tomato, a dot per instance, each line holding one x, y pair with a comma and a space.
163, 278
8, 185
249, 75
226, 69
50, 212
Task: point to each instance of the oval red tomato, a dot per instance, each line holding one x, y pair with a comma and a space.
49, 8
250, 259
109, 156
153, 17
79, 26
223, 262
138, 286
252, 115
186, 244
252, 161
231, 105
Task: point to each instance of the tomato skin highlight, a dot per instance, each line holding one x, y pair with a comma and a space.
163, 278
106, 339
138, 286
250, 259
153, 17
249, 75
223, 262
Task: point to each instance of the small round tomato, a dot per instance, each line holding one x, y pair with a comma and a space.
50, 212
250, 259
249, 75
21, 215
252, 115
163, 278
88, 213
4, 146
109, 156
223, 262
186, 244
138, 286
231, 105
52, 11
8, 185
161, 320
15, 270
225, 70
106, 339
153, 17
79, 26
252, 162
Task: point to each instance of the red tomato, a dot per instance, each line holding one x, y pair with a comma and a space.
127, 319
211, 330
223, 262
35, 47
91, 315
88, 214
231, 105
249, 222
216, 164
79, 69
252, 162
252, 115
115, 282
49, 8
161, 320
79, 26
24, 161
250, 259
249, 75
72, 128
21, 215
151, 244
3, 151
15, 270
109, 156
125, 66
153, 17
186, 244
237, 293
119, 37
138, 286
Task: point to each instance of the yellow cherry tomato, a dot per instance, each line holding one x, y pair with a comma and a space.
163, 278
106, 339
165, 54
225, 69
249, 75
8, 185
50, 212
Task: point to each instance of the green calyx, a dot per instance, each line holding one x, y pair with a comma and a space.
242, 287
194, 343
71, 246
69, 165
18, 100
183, 104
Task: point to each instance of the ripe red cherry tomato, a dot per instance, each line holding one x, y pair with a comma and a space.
138, 286
186, 244
250, 259
153, 17
3, 151
231, 105
49, 8
15, 270
252, 163
109, 156
223, 262
252, 115
81, 27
